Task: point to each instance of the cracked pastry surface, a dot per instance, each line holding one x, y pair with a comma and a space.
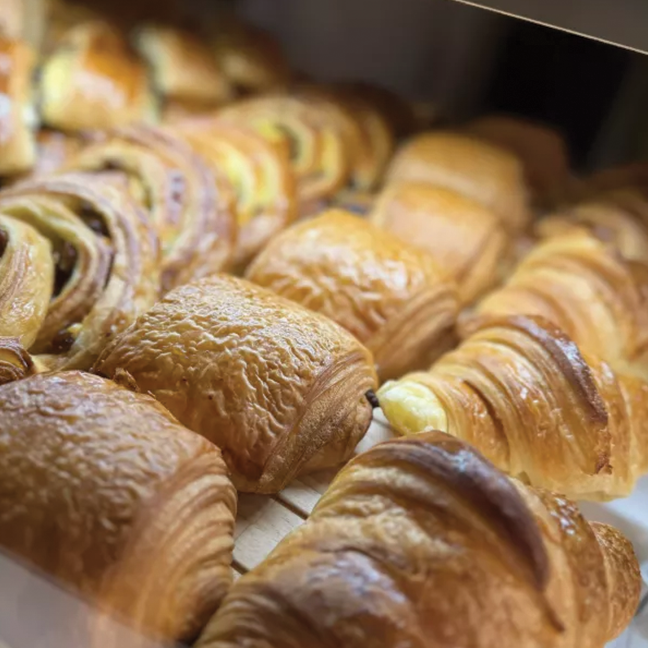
279, 389
102, 489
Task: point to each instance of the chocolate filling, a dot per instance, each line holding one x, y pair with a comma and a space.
4, 241
65, 258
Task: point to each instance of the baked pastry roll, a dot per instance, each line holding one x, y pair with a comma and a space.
311, 133
467, 240
190, 208
18, 120
184, 69
540, 148
585, 288
55, 149
102, 489
260, 174
488, 174
93, 81
619, 218
391, 296
522, 393
279, 389
251, 59
78, 264
422, 542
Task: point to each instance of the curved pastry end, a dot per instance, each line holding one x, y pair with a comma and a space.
15, 361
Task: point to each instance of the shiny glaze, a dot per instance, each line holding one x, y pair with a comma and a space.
422, 543
279, 389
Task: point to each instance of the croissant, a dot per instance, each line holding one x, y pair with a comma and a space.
279, 389
586, 289
105, 491
311, 133
489, 175
18, 120
421, 542
522, 393
190, 208
466, 240
540, 148
93, 81
266, 198
183, 68
78, 263
391, 296
618, 217
251, 59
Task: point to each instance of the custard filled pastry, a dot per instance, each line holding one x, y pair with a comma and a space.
618, 217
279, 389
190, 208
312, 134
184, 70
78, 263
521, 392
18, 120
260, 174
541, 149
391, 296
93, 81
422, 543
102, 489
488, 174
251, 59
467, 240
585, 288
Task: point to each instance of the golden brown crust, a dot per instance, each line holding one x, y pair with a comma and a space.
279, 389
421, 542
490, 175
93, 81
80, 263
585, 288
266, 197
520, 390
618, 218
540, 148
15, 362
54, 150
311, 131
190, 208
183, 67
18, 119
391, 296
104, 490
466, 240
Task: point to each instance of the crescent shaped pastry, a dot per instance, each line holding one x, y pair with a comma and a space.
184, 69
260, 174
488, 174
522, 393
190, 208
391, 296
311, 132
106, 492
421, 542
586, 289
18, 120
540, 148
279, 389
467, 240
618, 217
78, 264
93, 81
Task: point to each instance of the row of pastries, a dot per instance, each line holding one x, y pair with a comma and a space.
210, 277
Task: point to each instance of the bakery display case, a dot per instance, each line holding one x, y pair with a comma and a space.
323, 323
